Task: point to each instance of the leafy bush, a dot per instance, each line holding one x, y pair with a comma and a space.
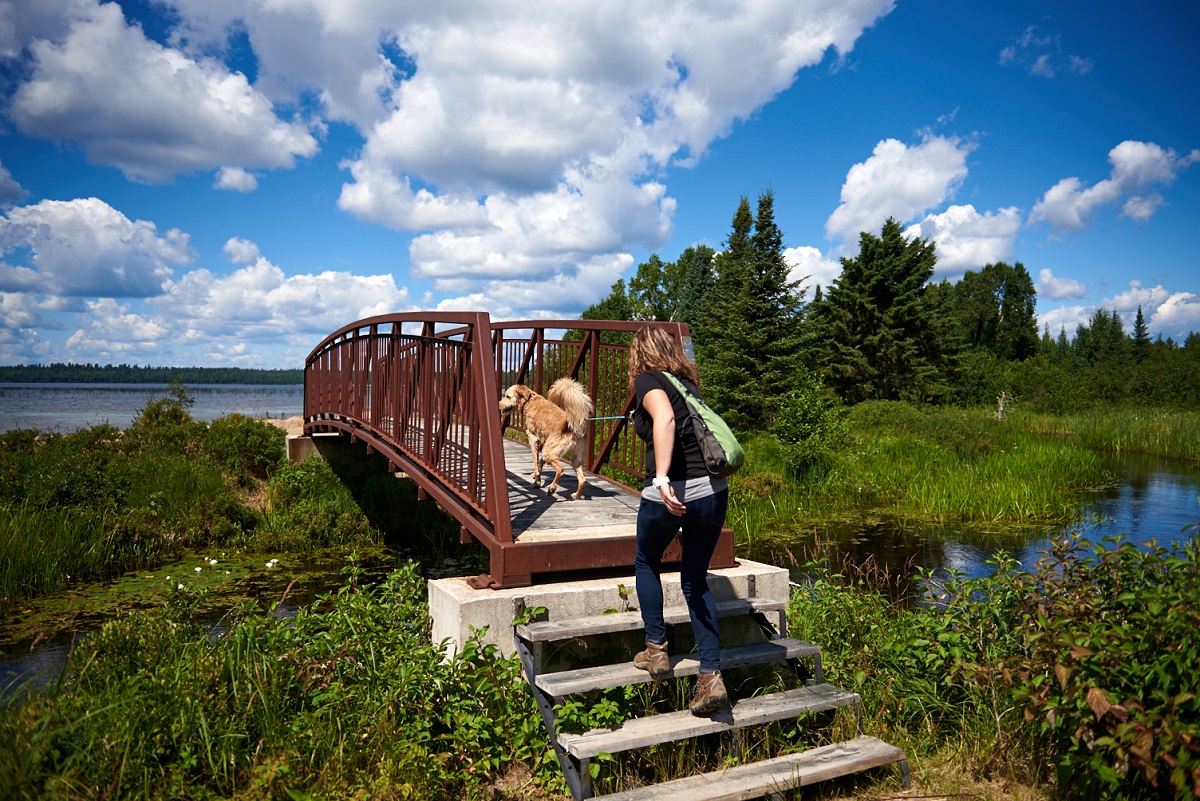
167, 421
349, 699
1095, 652
1105, 666
809, 423
245, 447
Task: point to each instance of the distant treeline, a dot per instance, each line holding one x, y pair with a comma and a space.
133, 374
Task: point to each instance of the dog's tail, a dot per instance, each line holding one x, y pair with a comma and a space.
570, 396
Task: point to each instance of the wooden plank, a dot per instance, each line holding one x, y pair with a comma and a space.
671, 726
758, 779
549, 630
604, 677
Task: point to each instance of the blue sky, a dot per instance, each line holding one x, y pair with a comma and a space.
215, 182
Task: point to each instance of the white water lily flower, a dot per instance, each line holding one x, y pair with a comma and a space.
212, 561
180, 587
198, 569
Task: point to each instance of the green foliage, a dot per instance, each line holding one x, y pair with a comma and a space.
994, 310
59, 373
747, 339
348, 699
311, 507
1094, 650
1104, 662
809, 423
875, 334
245, 447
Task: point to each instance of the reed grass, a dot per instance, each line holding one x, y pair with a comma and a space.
1157, 432
919, 464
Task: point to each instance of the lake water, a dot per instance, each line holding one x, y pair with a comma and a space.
70, 407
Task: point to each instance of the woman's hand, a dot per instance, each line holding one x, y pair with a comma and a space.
674, 506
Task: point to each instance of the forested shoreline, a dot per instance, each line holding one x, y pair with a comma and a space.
59, 373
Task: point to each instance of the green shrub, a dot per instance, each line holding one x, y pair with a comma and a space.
809, 423
246, 448
348, 699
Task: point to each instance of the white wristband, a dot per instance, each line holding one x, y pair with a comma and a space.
660, 481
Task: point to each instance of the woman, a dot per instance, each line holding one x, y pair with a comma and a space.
679, 493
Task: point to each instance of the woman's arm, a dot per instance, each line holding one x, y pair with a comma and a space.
658, 405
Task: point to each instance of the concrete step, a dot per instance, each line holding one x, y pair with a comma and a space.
552, 630
605, 677
772, 776
672, 726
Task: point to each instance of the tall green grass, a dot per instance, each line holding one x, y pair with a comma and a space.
99, 502
1158, 432
937, 465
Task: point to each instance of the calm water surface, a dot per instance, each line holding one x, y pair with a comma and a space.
70, 407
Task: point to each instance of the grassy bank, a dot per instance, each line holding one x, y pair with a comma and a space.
925, 464
1071, 682
96, 503
1158, 432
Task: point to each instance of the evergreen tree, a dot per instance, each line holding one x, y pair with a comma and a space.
698, 279
875, 335
1141, 337
749, 334
725, 367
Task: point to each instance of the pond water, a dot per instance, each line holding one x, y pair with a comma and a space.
69, 407
1158, 500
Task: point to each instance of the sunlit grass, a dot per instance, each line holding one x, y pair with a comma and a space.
1159, 432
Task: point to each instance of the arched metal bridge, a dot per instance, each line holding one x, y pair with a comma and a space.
422, 389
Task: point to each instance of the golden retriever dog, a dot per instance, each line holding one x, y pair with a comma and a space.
555, 424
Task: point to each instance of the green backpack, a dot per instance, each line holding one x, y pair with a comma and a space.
723, 454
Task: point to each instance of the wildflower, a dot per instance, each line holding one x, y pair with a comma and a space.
180, 587
198, 570
212, 561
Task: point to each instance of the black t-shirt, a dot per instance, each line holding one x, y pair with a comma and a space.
686, 459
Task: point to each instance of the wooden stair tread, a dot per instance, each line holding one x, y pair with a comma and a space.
550, 630
606, 676
671, 726
757, 779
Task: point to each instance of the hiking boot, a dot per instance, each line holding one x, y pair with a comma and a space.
710, 694
653, 660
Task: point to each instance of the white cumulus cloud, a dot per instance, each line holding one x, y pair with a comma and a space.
152, 111
1054, 288
1138, 168
808, 264
236, 179
968, 240
85, 247
898, 181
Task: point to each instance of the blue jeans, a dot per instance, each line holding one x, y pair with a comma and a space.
656, 527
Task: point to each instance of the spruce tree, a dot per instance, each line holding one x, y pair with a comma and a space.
725, 367
874, 335
698, 279
1141, 337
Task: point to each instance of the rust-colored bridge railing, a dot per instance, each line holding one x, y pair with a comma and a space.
422, 388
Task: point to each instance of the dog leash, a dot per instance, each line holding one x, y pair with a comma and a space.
618, 417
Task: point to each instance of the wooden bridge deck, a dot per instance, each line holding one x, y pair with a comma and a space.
605, 510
